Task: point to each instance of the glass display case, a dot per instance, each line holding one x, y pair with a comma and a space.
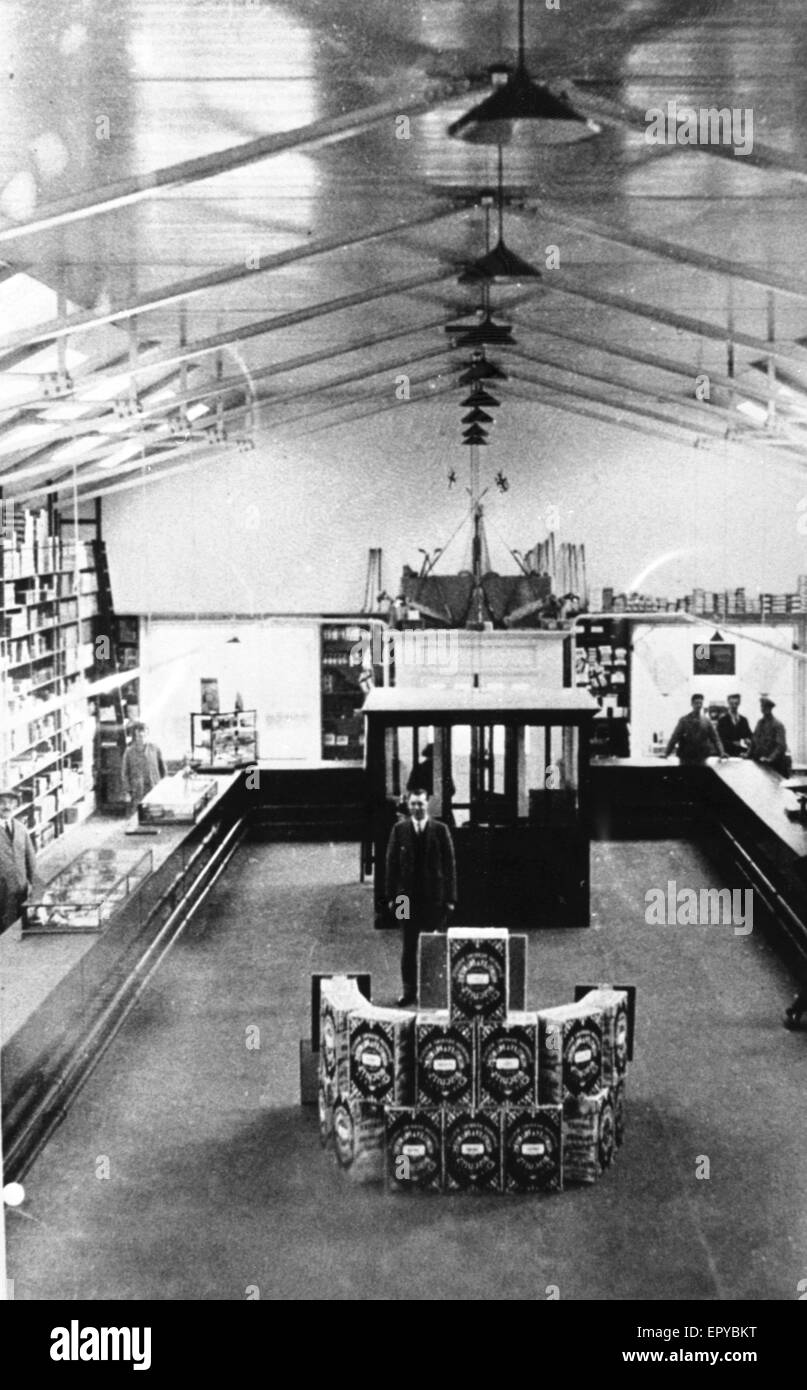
176, 800
83, 896
221, 742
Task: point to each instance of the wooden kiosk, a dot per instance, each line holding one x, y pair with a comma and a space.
509, 774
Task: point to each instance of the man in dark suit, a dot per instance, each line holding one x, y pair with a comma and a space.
421, 881
17, 861
734, 730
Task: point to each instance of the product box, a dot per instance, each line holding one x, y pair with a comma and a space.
338, 996
532, 1149
618, 1097
380, 1055
358, 1139
414, 1148
613, 1004
507, 1061
433, 971
472, 1150
477, 972
569, 1052
444, 1060
588, 1136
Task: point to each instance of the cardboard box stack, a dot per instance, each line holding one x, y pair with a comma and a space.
477, 1096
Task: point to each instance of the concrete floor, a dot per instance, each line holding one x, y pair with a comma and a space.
217, 1182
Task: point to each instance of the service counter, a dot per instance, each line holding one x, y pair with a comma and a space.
63, 995
738, 806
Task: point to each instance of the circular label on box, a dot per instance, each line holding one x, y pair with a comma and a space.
472, 1148
413, 1151
477, 982
582, 1060
444, 1067
343, 1134
372, 1061
507, 1067
533, 1152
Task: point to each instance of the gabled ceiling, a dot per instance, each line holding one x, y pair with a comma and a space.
212, 229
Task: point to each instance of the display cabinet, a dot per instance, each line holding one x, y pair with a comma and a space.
83, 896
508, 773
602, 666
351, 662
224, 741
176, 800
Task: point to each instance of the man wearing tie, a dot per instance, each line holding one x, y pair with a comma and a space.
421, 881
17, 861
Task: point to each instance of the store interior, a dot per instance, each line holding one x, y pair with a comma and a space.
297, 477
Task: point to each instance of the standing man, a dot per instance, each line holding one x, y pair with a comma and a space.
695, 736
734, 730
421, 882
769, 741
17, 860
142, 766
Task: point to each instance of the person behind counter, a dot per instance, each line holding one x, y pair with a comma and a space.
695, 736
769, 740
17, 860
734, 730
142, 766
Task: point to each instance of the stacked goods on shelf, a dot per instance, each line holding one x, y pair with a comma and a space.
48, 602
475, 1097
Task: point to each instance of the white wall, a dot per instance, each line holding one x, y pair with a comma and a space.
662, 682
274, 666
287, 527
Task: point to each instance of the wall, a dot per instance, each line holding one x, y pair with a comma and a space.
274, 666
662, 681
287, 527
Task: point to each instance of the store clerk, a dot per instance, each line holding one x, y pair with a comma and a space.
142, 766
17, 860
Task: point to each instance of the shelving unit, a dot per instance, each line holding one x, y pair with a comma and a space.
224, 741
602, 666
349, 666
48, 607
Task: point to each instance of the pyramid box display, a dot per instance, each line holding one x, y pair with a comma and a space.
473, 1097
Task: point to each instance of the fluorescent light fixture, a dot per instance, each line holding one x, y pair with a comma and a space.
194, 411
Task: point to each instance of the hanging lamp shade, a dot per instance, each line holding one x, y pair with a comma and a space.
479, 396
495, 120
500, 263
480, 440
474, 431
477, 417
484, 331
480, 368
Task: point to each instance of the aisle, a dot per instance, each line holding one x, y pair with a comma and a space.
217, 1185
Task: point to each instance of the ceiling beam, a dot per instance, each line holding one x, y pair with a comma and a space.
710, 416
328, 131
699, 328
666, 250
181, 290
